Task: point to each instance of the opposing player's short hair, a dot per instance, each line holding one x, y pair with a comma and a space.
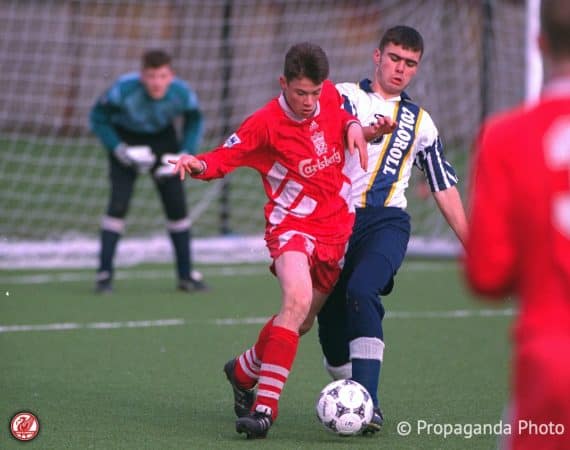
306, 60
404, 36
153, 59
555, 26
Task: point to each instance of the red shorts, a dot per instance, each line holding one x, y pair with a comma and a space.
325, 260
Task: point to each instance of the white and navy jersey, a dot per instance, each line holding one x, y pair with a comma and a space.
391, 157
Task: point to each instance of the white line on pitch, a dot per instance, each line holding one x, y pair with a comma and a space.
95, 325
453, 314
67, 326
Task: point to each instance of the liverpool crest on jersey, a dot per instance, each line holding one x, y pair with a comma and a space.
319, 142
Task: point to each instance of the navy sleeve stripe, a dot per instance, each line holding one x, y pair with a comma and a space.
439, 171
347, 106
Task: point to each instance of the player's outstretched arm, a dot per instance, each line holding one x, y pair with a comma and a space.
450, 204
187, 163
355, 140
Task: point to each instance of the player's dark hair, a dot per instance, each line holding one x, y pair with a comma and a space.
306, 60
555, 25
404, 36
153, 59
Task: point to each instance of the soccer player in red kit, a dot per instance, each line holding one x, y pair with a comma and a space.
296, 143
519, 239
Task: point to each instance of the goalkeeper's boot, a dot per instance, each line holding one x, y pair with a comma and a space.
243, 398
376, 422
194, 283
103, 283
256, 424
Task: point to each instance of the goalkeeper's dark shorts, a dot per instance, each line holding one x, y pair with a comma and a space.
171, 189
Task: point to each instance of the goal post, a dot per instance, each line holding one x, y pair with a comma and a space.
57, 56
534, 69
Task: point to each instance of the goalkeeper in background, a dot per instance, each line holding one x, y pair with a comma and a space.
134, 119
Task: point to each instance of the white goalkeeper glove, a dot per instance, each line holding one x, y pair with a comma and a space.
165, 169
139, 157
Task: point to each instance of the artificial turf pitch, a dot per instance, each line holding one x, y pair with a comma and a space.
142, 368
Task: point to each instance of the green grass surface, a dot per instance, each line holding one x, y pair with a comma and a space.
163, 387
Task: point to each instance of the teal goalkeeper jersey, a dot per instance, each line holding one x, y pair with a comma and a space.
127, 105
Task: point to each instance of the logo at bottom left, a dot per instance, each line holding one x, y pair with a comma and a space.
24, 426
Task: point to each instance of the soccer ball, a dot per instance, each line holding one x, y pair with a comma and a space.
344, 407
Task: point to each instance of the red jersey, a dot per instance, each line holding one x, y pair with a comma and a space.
519, 238
300, 162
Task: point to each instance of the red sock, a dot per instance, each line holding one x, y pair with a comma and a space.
249, 362
277, 361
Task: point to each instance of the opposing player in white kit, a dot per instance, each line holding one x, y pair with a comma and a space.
350, 323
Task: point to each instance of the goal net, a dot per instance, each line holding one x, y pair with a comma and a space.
57, 56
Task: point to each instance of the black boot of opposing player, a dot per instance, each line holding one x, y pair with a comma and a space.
376, 422
256, 424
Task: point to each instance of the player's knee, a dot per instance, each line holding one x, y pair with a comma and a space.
296, 307
118, 209
299, 307
358, 293
364, 300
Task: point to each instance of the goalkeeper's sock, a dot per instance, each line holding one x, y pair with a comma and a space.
277, 361
248, 363
109, 240
181, 243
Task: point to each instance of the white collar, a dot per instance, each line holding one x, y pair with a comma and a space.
285, 107
397, 98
